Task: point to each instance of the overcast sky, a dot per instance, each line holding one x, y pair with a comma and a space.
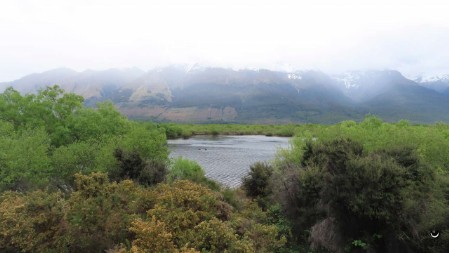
332, 36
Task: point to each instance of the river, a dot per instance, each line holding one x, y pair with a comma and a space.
227, 159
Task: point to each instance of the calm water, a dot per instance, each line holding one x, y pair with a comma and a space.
226, 159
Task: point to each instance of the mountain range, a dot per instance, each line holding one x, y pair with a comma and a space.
218, 95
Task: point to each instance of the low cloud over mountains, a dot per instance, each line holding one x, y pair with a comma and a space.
197, 94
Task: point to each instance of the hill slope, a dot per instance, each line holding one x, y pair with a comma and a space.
251, 96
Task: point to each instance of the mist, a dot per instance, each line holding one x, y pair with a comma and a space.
288, 35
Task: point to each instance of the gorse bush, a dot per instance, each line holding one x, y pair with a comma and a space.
126, 217
95, 216
32, 222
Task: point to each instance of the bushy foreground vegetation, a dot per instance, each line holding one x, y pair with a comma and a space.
76, 179
126, 217
361, 187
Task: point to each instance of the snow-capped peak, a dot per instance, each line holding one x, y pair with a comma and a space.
294, 76
432, 78
193, 67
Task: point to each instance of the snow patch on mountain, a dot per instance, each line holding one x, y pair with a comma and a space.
432, 78
350, 80
294, 76
193, 67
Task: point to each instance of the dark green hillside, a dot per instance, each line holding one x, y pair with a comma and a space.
411, 102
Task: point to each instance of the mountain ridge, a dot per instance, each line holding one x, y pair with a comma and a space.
212, 95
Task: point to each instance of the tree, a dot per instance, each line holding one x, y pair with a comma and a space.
100, 123
24, 161
50, 108
147, 141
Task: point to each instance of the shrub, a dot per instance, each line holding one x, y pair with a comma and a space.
32, 222
184, 169
190, 215
380, 198
256, 183
172, 131
132, 166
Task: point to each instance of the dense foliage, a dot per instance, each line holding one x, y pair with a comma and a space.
257, 182
76, 179
100, 215
183, 169
366, 187
48, 137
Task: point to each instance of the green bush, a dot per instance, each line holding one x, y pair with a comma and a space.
256, 183
184, 169
382, 198
130, 165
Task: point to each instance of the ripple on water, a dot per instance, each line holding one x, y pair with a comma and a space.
227, 159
